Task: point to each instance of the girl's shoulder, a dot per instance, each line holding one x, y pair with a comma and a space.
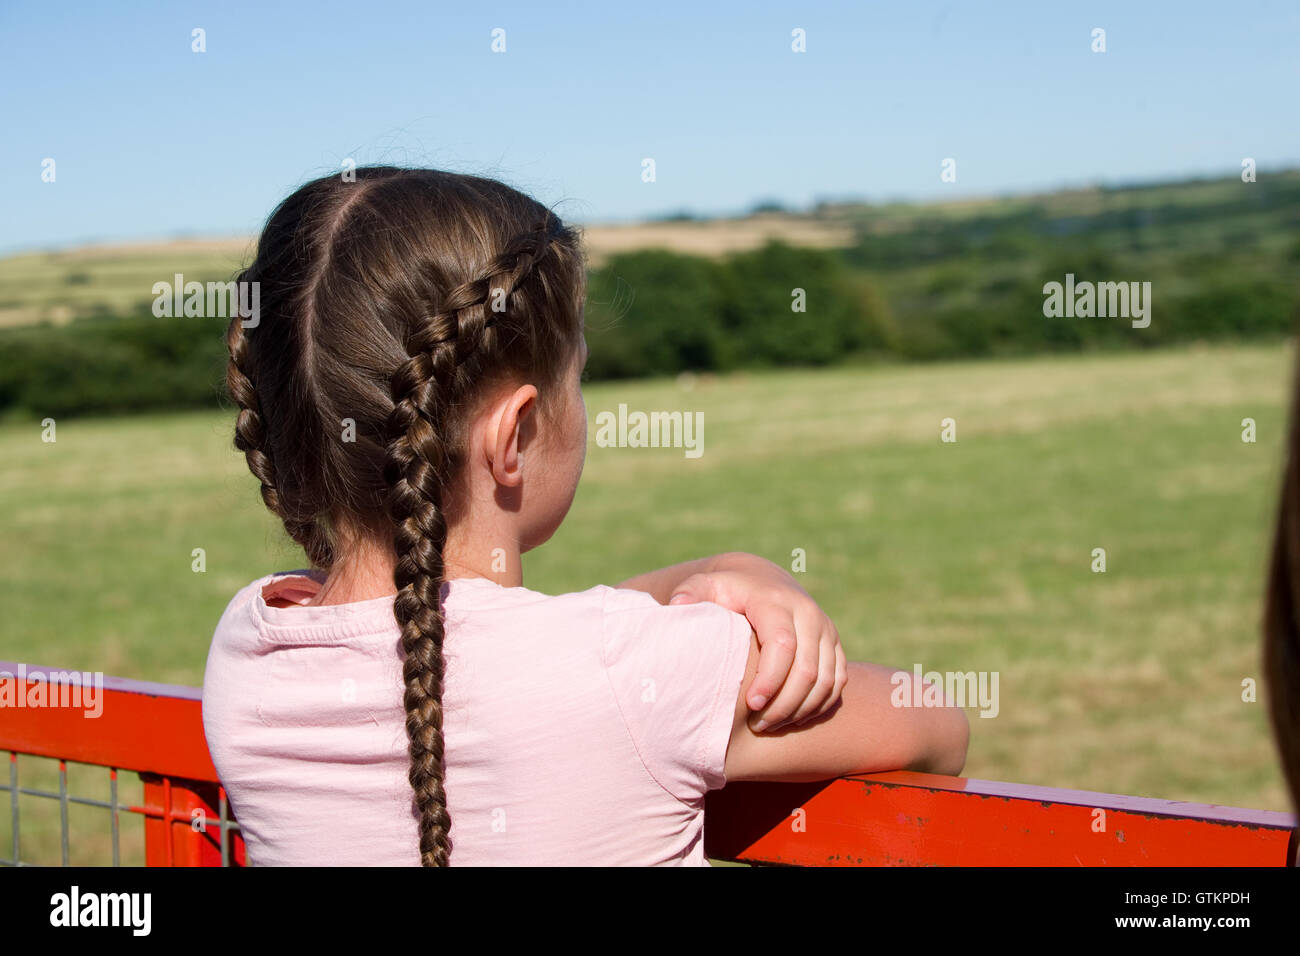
274, 583
238, 608
480, 594
618, 610
275, 609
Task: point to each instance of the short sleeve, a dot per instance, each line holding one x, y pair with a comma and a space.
676, 673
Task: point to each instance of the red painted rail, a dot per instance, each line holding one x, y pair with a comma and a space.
917, 819
900, 818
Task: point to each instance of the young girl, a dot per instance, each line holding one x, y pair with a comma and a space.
410, 402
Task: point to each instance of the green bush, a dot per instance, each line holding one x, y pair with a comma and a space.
654, 313
762, 328
658, 313
112, 365
1237, 308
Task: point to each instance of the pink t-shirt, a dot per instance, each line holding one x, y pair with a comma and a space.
579, 729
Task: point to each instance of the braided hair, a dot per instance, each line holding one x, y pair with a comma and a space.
250, 438
391, 302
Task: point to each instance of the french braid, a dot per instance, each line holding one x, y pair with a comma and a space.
419, 467
250, 438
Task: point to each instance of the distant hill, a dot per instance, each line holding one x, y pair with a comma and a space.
116, 278
1153, 226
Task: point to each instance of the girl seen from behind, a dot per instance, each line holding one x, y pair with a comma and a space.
409, 400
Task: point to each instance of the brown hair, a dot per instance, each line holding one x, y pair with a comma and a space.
1281, 652
395, 300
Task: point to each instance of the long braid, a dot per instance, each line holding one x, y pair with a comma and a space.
419, 465
250, 438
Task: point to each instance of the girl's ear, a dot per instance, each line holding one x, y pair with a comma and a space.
505, 439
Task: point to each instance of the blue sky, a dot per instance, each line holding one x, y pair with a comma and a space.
153, 140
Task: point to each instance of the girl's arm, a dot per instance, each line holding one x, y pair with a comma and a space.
865, 734
801, 668
660, 584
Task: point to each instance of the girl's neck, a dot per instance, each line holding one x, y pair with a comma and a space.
366, 570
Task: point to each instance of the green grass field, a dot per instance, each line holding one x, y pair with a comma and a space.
973, 555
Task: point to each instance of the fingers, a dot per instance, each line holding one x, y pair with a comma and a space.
819, 669
841, 675
778, 642
800, 681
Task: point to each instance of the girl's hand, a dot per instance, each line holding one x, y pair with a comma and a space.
802, 667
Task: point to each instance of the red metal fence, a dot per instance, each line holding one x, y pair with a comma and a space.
156, 731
